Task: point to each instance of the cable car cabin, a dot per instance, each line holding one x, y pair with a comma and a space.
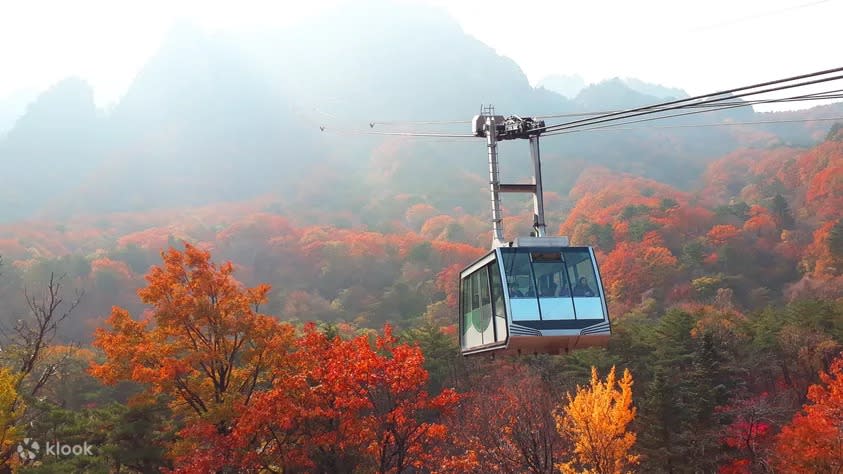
534, 297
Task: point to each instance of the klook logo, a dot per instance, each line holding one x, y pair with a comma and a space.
29, 449
58, 449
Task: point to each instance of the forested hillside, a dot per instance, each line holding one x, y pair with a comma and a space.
199, 280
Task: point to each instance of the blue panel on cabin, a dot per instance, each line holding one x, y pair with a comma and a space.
524, 309
588, 308
557, 308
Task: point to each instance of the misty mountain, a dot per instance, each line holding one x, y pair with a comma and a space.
571, 85
213, 117
379, 60
566, 85
52, 146
13, 107
655, 90
217, 117
613, 93
199, 123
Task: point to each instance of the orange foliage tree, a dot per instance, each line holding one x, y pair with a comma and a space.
596, 421
827, 190
448, 281
348, 406
203, 345
251, 394
436, 227
761, 223
417, 214
743, 173
822, 257
813, 441
722, 234
632, 268
115, 267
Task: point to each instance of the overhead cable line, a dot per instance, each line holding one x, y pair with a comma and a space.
708, 106
700, 99
658, 108
399, 134
453, 122
720, 124
824, 95
708, 102
713, 108
416, 122
720, 93
574, 114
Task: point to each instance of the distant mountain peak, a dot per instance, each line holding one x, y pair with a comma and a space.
567, 85
571, 85
611, 93
65, 104
655, 90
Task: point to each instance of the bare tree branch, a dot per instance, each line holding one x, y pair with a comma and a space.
39, 333
29, 338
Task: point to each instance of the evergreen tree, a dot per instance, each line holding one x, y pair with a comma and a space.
668, 413
781, 212
835, 239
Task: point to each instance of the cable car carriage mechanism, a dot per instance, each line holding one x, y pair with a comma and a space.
535, 294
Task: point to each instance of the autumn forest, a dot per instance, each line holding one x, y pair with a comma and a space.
247, 294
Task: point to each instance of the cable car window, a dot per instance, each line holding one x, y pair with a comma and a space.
584, 288
554, 291
483, 277
483, 317
551, 278
477, 327
498, 306
466, 299
518, 275
581, 273
524, 306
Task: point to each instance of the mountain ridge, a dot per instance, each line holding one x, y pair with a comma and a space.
213, 117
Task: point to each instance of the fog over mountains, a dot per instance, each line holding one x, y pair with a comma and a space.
13, 107
571, 85
216, 117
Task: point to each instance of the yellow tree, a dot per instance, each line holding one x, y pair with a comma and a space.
11, 408
595, 420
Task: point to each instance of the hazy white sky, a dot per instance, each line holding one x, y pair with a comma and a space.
700, 46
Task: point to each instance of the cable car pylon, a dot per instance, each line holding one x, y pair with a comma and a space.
496, 128
534, 294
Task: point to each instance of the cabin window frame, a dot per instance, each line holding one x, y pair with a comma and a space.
489, 262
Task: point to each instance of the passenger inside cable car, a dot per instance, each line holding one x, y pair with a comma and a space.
582, 288
513, 290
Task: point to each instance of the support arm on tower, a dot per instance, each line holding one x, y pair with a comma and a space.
495, 128
538, 197
494, 180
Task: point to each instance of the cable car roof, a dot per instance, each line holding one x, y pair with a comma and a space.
539, 242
